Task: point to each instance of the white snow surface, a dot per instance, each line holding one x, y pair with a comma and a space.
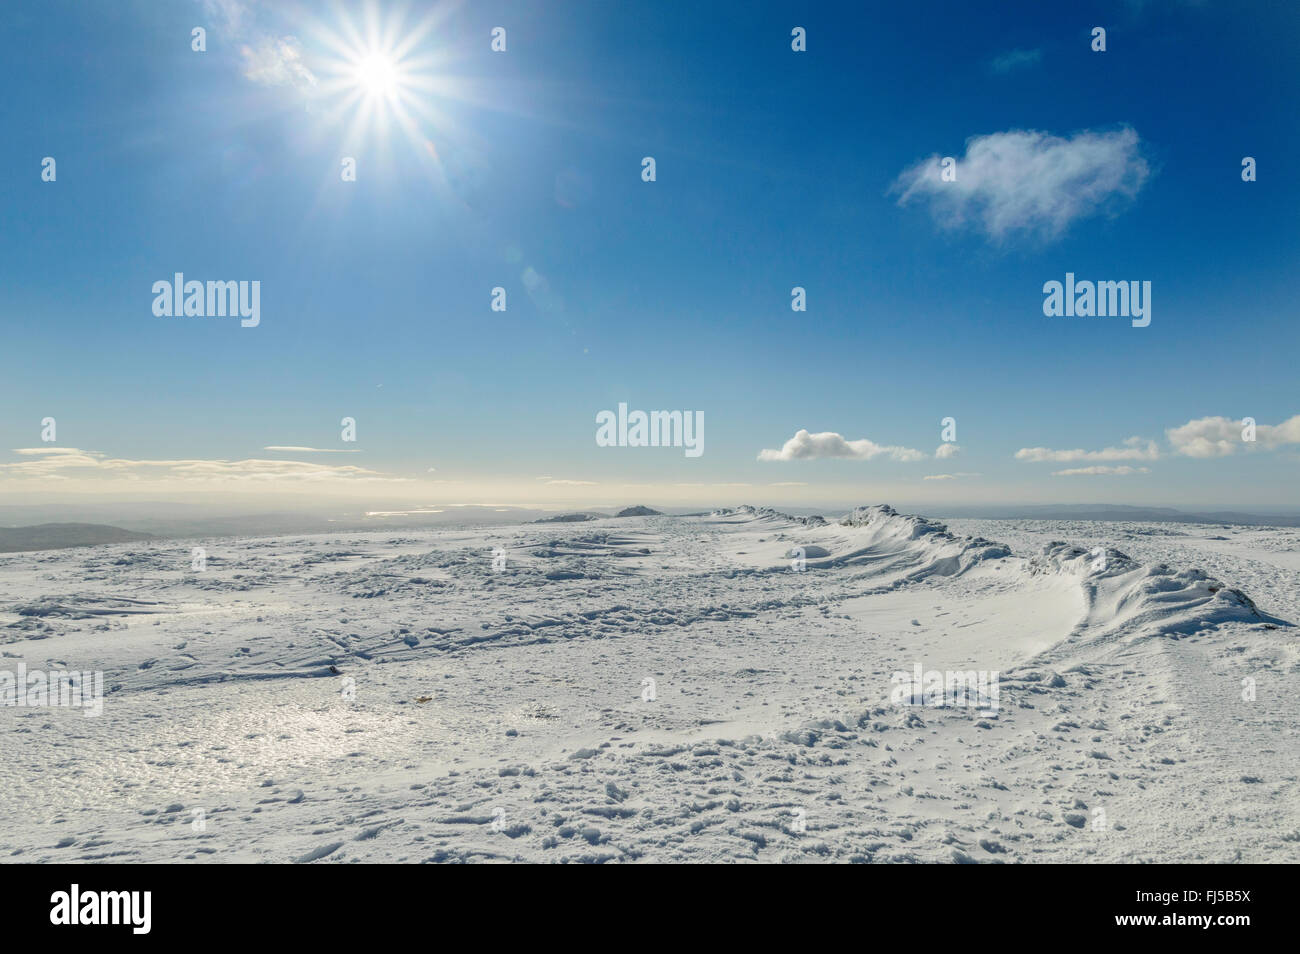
389, 697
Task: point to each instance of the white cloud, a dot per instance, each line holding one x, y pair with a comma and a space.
957, 476
1135, 448
1029, 181
1222, 436
946, 450
571, 483
1101, 469
828, 444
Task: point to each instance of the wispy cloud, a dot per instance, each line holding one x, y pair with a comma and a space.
958, 476
1015, 60
1121, 470
228, 14
276, 61
733, 483
74, 463
312, 450
269, 58
1025, 181
829, 445
48, 451
1135, 448
947, 450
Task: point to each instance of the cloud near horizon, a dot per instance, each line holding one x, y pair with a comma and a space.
66, 463
1202, 438
1027, 181
1101, 469
829, 445
312, 450
1135, 448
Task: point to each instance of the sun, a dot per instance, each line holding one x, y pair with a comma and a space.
377, 74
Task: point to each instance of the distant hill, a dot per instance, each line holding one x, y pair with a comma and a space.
570, 518
56, 536
639, 512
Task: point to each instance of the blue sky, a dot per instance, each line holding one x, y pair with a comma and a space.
522, 169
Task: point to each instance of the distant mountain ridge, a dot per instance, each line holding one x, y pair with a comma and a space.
58, 536
1120, 513
581, 516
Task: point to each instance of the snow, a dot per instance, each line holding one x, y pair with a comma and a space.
662, 688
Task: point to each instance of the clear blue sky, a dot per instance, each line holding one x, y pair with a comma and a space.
774, 169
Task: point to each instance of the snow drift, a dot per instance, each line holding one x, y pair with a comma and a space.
1123, 595
893, 550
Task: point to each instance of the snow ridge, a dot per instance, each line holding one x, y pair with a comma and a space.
1121, 595
1148, 599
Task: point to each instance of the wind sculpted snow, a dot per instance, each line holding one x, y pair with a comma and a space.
657, 688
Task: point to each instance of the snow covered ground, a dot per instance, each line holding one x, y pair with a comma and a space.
663, 689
